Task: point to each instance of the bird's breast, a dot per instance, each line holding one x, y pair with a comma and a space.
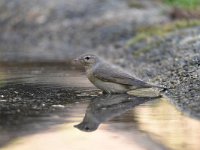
90, 75
108, 87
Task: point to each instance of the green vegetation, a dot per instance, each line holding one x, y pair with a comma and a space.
146, 34
135, 4
185, 4
153, 36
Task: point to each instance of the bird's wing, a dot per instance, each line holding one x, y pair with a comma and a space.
110, 74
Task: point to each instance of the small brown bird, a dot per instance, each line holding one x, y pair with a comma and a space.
108, 78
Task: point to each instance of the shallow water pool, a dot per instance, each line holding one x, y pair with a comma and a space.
52, 107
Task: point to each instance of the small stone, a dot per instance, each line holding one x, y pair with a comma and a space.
3, 100
82, 94
16, 92
58, 106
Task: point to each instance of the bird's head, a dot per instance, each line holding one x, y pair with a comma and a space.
87, 60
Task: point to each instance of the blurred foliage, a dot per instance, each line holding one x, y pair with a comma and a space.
186, 4
153, 36
135, 4
146, 34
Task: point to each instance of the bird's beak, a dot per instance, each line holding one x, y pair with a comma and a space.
75, 61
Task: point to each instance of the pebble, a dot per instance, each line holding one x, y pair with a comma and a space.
58, 106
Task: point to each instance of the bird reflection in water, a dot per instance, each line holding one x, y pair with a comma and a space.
105, 107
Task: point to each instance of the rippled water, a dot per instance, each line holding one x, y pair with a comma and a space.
54, 107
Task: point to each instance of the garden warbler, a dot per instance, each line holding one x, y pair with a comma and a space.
109, 78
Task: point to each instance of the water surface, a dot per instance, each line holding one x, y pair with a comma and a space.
56, 107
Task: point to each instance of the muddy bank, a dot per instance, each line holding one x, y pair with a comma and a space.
173, 61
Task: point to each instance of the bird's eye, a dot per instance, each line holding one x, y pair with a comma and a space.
87, 58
